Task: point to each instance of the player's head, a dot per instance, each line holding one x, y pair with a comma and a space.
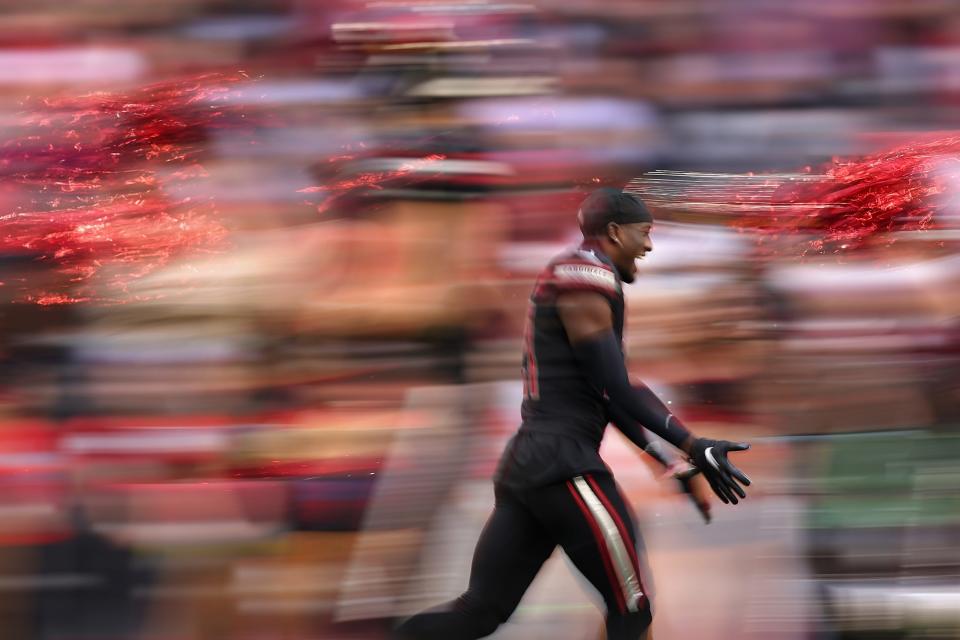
620, 223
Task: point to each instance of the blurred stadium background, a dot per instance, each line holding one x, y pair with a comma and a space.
276, 416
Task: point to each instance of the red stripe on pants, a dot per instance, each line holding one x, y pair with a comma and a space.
624, 532
602, 545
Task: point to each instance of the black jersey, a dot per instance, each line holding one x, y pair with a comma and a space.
564, 415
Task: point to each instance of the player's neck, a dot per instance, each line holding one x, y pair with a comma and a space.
595, 244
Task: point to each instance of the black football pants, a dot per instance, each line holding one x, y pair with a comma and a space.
588, 518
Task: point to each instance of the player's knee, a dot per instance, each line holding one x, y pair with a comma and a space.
485, 616
464, 618
487, 623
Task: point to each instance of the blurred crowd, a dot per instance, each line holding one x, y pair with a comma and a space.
290, 433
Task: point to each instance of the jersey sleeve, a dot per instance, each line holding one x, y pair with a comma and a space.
577, 275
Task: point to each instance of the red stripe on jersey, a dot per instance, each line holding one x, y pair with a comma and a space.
531, 380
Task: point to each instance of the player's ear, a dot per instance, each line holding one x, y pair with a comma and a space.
613, 232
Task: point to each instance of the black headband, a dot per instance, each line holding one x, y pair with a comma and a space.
607, 205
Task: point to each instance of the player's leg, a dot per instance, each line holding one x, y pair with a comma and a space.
511, 549
591, 521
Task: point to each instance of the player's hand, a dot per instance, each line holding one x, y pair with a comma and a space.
693, 484
710, 457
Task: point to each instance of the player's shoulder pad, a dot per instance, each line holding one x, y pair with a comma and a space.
583, 271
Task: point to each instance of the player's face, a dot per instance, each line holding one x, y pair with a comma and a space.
634, 243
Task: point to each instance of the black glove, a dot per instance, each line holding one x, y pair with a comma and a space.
710, 456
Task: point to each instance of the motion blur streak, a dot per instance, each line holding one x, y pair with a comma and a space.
264, 266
